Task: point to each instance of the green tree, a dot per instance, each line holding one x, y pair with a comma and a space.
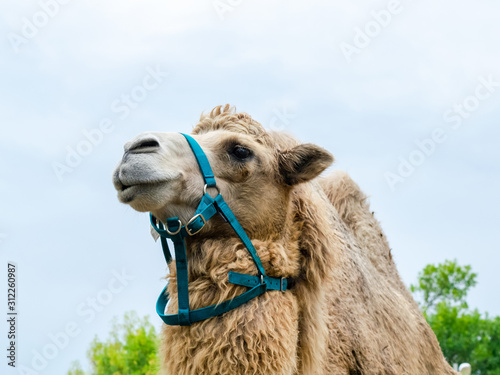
131, 349
76, 369
445, 282
463, 334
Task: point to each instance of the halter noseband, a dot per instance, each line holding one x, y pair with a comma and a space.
177, 232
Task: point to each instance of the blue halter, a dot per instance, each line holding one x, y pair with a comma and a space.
177, 232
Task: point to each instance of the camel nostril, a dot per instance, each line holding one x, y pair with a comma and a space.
145, 145
151, 143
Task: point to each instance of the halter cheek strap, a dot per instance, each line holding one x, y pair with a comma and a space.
177, 232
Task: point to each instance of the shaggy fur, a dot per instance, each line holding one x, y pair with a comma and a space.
348, 311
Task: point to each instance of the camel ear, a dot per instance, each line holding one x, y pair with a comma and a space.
303, 163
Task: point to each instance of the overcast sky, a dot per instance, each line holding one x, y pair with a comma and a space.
405, 94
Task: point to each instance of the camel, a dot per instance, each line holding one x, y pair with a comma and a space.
346, 310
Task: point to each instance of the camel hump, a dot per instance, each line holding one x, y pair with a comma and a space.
354, 209
346, 196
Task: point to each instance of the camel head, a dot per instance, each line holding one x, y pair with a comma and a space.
255, 171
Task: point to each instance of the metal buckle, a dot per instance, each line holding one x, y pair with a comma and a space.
177, 231
281, 284
191, 233
262, 279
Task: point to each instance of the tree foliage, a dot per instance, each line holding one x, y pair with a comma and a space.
446, 282
131, 349
464, 335
76, 369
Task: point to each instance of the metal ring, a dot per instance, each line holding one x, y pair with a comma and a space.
177, 231
215, 187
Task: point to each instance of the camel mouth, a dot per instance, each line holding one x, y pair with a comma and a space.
142, 191
125, 187
128, 193
121, 186
124, 184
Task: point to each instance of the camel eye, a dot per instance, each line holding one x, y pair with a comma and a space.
240, 152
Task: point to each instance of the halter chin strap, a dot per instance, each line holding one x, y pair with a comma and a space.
178, 232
